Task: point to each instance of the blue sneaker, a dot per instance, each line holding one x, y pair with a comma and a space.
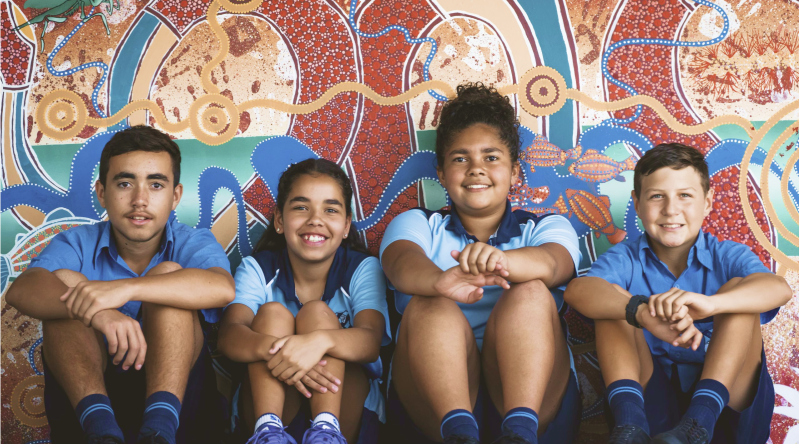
269, 434
323, 433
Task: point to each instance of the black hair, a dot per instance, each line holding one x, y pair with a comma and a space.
272, 240
670, 155
477, 103
140, 138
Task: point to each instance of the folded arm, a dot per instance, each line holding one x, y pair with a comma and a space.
361, 343
238, 341
36, 293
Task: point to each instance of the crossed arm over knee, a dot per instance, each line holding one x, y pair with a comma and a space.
41, 294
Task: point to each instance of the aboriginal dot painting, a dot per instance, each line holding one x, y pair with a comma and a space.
248, 87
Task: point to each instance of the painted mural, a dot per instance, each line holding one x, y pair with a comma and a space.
247, 87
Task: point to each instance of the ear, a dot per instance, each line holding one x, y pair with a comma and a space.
635, 202
515, 170
100, 190
278, 220
441, 177
347, 227
177, 193
709, 201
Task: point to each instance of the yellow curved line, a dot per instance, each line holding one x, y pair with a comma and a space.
224, 47
509, 89
134, 106
744, 195
662, 112
786, 176
775, 147
343, 87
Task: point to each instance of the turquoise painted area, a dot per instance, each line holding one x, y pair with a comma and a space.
11, 228
126, 63
545, 20
434, 193
56, 160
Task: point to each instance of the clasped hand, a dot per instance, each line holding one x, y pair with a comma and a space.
479, 265
88, 298
297, 360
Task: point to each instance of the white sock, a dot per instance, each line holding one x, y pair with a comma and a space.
328, 418
268, 418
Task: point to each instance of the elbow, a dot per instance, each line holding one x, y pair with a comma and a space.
788, 293
572, 291
228, 291
12, 297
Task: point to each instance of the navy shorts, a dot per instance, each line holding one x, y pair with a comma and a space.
201, 416
370, 423
563, 428
666, 403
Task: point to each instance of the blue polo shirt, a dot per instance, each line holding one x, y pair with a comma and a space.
440, 232
91, 251
355, 283
711, 263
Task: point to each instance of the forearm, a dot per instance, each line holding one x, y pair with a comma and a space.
530, 263
756, 293
414, 274
188, 288
596, 298
241, 344
360, 345
36, 293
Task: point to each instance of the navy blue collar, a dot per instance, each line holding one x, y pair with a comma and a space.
107, 241
698, 250
508, 227
335, 277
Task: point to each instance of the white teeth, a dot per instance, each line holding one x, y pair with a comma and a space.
138, 218
476, 186
314, 238
670, 225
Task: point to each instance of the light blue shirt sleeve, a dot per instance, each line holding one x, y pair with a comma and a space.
62, 253
411, 225
558, 230
202, 250
614, 266
250, 285
368, 292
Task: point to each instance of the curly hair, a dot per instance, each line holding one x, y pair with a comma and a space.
272, 240
477, 103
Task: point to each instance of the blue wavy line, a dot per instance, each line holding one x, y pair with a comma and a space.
408, 38
68, 72
675, 43
30, 356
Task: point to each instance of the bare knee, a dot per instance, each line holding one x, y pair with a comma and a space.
159, 311
70, 278
533, 294
425, 310
164, 268
270, 313
316, 315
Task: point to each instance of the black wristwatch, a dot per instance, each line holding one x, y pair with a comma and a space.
632, 308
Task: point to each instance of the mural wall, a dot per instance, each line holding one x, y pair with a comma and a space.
246, 88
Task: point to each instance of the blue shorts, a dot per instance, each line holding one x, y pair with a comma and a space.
666, 403
563, 428
201, 415
370, 422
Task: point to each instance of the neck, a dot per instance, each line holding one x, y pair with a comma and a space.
482, 226
310, 278
676, 258
136, 254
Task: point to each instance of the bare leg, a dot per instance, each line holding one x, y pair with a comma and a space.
267, 394
316, 315
734, 354
174, 341
352, 399
525, 358
623, 352
74, 353
436, 365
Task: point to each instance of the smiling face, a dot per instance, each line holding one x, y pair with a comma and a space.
138, 196
477, 171
672, 206
314, 219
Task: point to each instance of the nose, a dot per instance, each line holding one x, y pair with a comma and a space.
476, 169
314, 217
670, 207
141, 197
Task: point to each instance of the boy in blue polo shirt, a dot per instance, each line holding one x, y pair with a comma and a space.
132, 285
462, 321
678, 316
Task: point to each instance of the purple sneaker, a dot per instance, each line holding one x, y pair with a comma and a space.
323, 433
269, 434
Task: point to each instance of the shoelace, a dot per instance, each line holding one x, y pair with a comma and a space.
323, 435
622, 432
271, 435
695, 432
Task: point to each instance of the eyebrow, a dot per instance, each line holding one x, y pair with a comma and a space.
305, 199
650, 190
490, 149
128, 175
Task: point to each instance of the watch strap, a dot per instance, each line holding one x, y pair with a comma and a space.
632, 309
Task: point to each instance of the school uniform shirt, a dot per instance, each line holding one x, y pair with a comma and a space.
355, 283
633, 266
440, 232
91, 251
